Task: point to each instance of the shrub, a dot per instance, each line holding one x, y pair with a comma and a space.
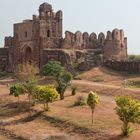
46, 94
92, 101
128, 110
80, 101
73, 90
16, 90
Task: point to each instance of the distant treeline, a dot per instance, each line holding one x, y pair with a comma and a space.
133, 57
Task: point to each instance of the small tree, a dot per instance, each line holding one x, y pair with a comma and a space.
46, 94
53, 68
16, 90
128, 110
30, 86
92, 101
63, 78
63, 82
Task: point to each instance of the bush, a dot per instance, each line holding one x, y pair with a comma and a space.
128, 110
73, 90
46, 94
16, 90
80, 101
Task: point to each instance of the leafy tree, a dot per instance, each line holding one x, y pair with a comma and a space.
30, 86
134, 57
128, 110
62, 77
46, 94
92, 101
63, 82
16, 90
53, 68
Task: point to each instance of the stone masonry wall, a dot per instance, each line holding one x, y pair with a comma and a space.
128, 66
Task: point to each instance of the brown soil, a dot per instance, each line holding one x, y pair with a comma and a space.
65, 121
107, 76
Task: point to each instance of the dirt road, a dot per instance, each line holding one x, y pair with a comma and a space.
105, 89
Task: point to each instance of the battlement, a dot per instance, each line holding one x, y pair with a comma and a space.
41, 37
79, 40
8, 41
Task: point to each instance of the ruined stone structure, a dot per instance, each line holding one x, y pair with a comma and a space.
126, 66
40, 39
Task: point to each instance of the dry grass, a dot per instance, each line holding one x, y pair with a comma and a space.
107, 76
64, 121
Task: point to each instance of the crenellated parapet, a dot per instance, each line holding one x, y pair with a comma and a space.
115, 46
8, 41
79, 40
40, 40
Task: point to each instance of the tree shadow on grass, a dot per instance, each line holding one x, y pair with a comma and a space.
57, 138
117, 137
14, 108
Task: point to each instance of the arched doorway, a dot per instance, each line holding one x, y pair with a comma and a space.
28, 55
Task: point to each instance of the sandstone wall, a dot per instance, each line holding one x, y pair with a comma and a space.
115, 47
128, 66
4, 59
81, 40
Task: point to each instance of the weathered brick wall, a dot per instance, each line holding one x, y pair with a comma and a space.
4, 59
79, 40
115, 47
128, 66
40, 40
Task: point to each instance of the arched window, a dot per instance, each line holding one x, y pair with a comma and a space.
48, 33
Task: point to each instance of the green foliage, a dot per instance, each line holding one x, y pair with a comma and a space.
63, 82
30, 86
46, 94
53, 68
62, 77
16, 90
92, 101
134, 57
80, 101
128, 110
73, 90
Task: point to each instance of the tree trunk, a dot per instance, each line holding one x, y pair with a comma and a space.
46, 106
18, 100
30, 104
126, 129
62, 96
92, 115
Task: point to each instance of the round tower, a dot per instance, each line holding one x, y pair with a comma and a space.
115, 47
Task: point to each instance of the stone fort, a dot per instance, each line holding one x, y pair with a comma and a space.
40, 40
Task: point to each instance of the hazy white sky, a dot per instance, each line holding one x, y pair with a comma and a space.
84, 15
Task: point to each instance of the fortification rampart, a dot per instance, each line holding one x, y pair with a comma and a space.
128, 66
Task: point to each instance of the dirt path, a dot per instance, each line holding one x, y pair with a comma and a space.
54, 127
105, 89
